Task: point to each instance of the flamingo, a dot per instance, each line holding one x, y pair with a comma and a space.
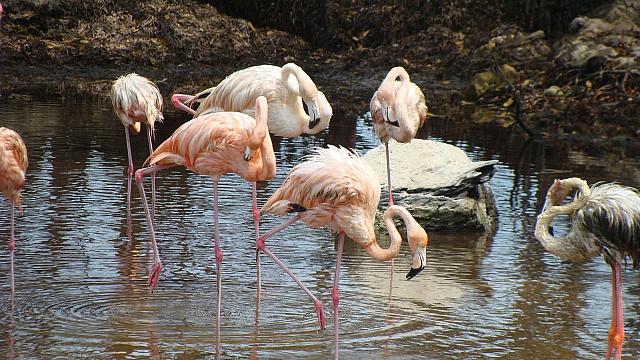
336, 188
398, 109
13, 165
605, 219
215, 144
295, 105
1, 12
136, 100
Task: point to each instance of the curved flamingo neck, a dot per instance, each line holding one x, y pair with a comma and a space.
564, 247
400, 106
260, 139
306, 88
396, 239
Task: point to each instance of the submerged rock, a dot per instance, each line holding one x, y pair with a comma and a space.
438, 183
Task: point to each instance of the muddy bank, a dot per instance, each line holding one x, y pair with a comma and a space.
578, 78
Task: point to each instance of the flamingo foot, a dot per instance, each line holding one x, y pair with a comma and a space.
154, 275
320, 312
616, 337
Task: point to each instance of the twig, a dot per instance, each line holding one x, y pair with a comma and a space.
516, 101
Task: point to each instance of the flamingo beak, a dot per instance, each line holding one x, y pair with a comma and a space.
419, 261
311, 109
385, 114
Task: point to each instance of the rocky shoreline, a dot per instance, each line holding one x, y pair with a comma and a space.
585, 83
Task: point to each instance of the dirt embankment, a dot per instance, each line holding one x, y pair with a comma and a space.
553, 75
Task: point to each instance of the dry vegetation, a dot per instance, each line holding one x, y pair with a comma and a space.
79, 46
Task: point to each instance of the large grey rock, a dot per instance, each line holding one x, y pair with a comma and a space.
438, 183
610, 32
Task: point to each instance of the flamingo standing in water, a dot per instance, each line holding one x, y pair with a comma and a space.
215, 144
605, 219
398, 109
336, 188
136, 100
13, 165
295, 105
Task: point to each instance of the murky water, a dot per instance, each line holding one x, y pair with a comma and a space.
81, 267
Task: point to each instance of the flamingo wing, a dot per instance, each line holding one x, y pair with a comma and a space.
612, 214
334, 185
206, 144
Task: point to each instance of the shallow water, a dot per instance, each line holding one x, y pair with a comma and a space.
81, 267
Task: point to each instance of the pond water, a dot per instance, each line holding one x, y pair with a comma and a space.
81, 266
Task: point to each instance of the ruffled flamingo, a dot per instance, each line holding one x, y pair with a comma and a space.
214, 144
605, 219
13, 165
336, 188
136, 100
398, 110
295, 105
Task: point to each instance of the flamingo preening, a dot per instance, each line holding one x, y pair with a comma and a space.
214, 144
398, 109
13, 165
605, 219
136, 100
295, 105
336, 188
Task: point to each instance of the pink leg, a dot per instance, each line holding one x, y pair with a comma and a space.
129, 169
616, 331
262, 246
154, 274
218, 252
12, 246
178, 101
256, 226
386, 149
335, 294
153, 177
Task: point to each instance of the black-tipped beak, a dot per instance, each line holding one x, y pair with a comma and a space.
551, 230
313, 123
413, 272
395, 123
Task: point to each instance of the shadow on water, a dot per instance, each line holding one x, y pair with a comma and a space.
81, 264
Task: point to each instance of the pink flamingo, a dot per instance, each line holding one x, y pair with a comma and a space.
605, 219
136, 100
398, 109
335, 188
215, 144
295, 105
13, 165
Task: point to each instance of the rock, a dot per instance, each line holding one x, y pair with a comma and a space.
611, 27
553, 91
438, 183
510, 73
483, 82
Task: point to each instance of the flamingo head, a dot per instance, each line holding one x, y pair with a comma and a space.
559, 190
387, 98
418, 240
